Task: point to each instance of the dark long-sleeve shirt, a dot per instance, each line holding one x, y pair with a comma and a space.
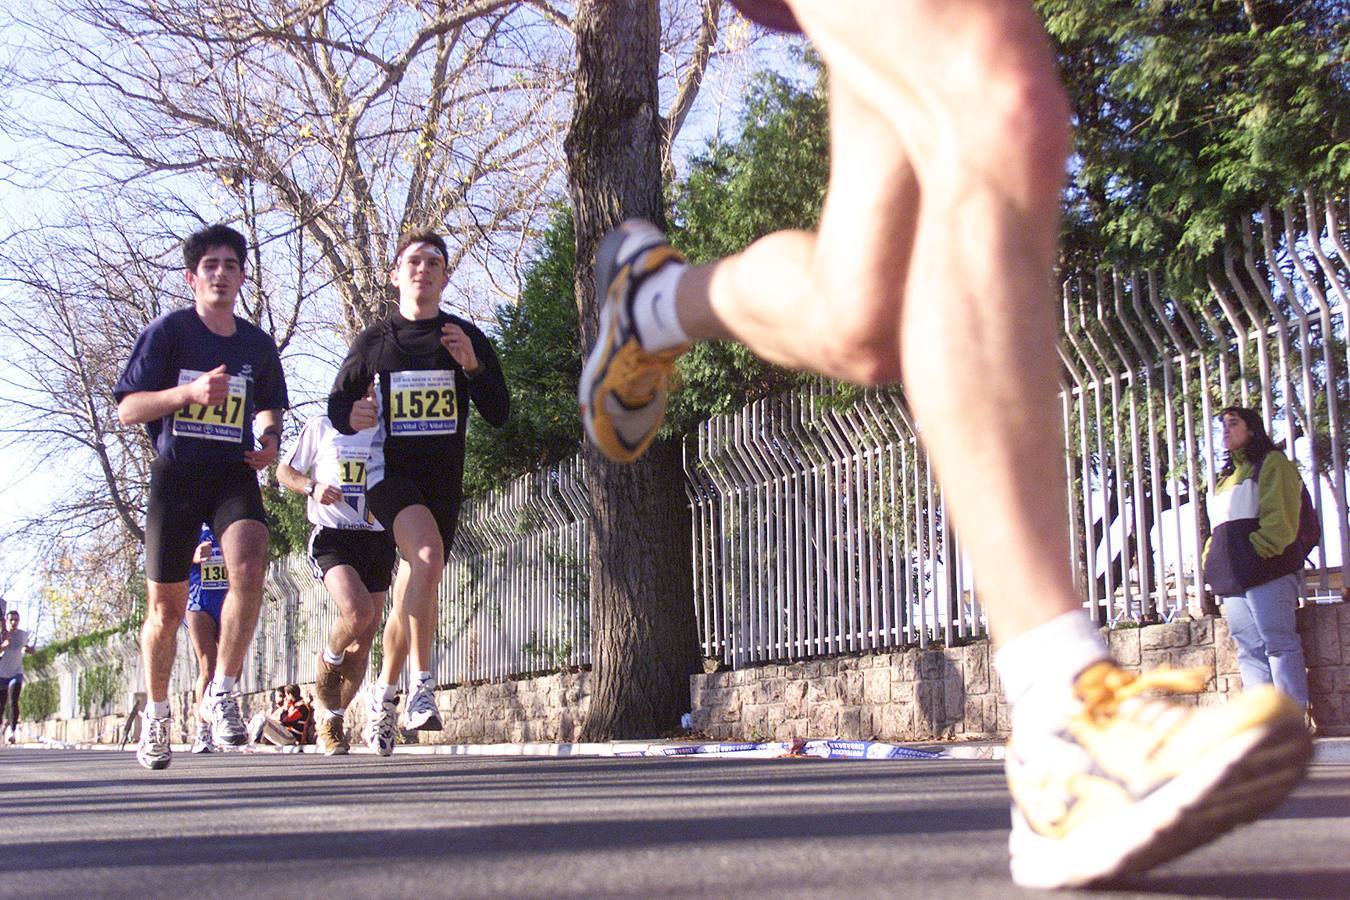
423, 394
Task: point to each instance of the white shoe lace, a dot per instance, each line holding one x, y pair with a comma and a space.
156, 736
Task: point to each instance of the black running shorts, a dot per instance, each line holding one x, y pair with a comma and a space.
370, 553
773, 14
399, 490
182, 497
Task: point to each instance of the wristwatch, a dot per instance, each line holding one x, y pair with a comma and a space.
309, 491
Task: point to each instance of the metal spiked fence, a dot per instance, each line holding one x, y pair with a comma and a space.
818, 526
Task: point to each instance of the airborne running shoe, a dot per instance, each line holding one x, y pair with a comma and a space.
331, 737
227, 725
328, 685
154, 751
1133, 781
624, 388
421, 713
381, 733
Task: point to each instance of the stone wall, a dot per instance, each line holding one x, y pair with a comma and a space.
910, 695
953, 693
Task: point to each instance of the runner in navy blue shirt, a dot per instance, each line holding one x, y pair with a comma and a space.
198, 378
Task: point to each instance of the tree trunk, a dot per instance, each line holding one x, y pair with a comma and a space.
643, 639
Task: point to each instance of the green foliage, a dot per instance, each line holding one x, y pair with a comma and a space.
1189, 116
539, 349
772, 177
41, 660
39, 700
288, 526
98, 687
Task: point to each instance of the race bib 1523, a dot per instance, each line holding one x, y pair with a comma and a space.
423, 402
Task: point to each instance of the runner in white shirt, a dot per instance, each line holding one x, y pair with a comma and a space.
351, 554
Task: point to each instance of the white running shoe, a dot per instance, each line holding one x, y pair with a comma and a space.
227, 725
380, 733
1134, 779
204, 742
154, 751
12, 735
421, 713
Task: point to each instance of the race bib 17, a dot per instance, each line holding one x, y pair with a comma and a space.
423, 403
352, 465
223, 421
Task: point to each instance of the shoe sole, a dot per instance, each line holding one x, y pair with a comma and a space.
606, 265
154, 764
231, 740
431, 723
1231, 786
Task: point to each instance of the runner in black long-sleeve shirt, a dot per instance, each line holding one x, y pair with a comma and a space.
410, 377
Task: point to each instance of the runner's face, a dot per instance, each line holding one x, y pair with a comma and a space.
218, 277
420, 273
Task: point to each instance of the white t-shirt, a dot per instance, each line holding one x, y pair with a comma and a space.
11, 658
344, 461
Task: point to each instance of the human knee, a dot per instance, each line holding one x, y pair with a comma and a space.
863, 354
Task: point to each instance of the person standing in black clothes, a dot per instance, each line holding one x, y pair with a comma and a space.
410, 377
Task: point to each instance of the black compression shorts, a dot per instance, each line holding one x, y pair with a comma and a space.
399, 490
370, 553
182, 497
773, 14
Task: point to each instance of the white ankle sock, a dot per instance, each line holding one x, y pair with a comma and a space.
223, 684
157, 709
654, 316
1038, 669
333, 659
334, 713
387, 691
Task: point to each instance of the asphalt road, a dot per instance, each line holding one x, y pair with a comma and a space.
93, 824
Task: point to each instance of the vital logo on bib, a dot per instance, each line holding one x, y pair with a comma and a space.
222, 422
423, 403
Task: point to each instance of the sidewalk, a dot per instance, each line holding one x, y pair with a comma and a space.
1326, 750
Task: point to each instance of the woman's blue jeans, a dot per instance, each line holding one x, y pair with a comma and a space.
1269, 650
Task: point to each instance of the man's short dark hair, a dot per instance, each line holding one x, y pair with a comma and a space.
421, 236
197, 243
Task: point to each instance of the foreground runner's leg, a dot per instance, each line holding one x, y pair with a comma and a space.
166, 604
949, 137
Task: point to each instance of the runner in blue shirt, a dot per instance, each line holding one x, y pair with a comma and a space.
207, 586
200, 379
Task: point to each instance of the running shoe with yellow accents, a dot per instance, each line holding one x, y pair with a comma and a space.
624, 387
1133, 781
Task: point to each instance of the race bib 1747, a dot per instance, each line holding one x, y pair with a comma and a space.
223, 421
423, 403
